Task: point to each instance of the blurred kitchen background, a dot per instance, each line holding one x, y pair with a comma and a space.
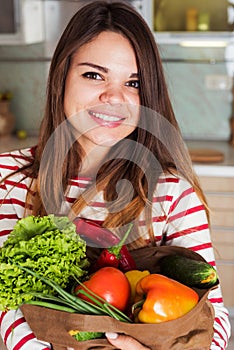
196, 42
199, 78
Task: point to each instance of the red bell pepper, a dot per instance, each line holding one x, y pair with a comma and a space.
115, 253
111, 256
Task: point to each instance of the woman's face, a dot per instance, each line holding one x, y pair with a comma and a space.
102, 91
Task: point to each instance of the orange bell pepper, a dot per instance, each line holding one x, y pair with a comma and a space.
166, 299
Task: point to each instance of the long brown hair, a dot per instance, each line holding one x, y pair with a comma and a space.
164, 142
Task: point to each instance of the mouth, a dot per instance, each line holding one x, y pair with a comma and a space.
106, 119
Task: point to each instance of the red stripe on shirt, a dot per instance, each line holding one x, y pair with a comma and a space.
24, 340
168, 179
6, 155
183, 194
3, 187
16, 323
6, 201
5, 232
80, 178
221, 336
186, 212
154, 219
158, 218
162, 198
221, 326
8, 216
70, 200
14, 201
188, 231
217, 344
216, 300
9, 167
202, 246
16, 184
21, 203
16, 156
93, 204
78, 184
3, 313
98, 204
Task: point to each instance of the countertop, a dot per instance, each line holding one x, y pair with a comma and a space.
10, 143
224, 168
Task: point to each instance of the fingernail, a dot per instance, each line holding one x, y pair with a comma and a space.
111, 335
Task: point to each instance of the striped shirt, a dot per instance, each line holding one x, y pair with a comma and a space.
178, 217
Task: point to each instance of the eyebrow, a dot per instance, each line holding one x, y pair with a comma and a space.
103, 69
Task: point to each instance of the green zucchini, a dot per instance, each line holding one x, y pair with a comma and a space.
193, 273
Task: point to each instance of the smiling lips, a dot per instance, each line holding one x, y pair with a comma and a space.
107, 120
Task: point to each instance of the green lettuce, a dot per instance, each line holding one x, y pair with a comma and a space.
81, 336
48, 245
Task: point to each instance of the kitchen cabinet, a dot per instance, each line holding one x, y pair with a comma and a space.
219, 192
21, 22
174, 21
192, 15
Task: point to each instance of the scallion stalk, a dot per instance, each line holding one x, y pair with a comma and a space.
98, 306
51, 306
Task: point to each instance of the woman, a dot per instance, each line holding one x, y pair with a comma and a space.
109, 150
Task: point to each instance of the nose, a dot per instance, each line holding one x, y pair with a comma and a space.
112, 94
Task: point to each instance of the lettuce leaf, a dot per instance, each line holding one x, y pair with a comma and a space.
82, 336
48, 245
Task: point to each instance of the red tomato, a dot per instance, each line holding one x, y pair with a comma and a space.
111, 284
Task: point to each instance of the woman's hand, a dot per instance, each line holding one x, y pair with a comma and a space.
124, 342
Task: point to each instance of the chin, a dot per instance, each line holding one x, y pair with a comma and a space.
108, 142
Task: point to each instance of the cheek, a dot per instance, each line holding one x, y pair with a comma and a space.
135, 97
81, 98
75, 99
134, 110
67, 99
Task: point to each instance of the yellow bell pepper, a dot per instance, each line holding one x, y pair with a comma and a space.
134, 276
166, 299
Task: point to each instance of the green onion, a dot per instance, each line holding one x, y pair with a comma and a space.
51, 306
70, 303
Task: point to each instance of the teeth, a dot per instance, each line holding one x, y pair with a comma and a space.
105, 117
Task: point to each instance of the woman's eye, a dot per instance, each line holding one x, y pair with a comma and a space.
133, 83
92, 75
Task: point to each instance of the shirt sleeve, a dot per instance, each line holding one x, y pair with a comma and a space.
187, 226
15, 332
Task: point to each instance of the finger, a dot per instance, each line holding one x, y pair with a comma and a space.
124, 342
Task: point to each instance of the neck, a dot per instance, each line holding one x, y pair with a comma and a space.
93, 160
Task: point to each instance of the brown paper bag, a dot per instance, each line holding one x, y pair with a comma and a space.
193, 331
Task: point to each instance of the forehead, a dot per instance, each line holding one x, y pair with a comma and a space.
109, 47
